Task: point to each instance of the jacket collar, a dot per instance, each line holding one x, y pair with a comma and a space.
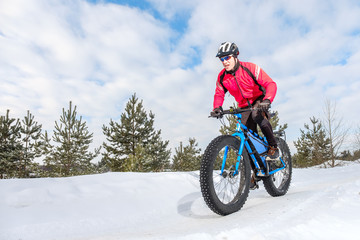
236, 67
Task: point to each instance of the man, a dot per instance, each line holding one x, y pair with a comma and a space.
251, 87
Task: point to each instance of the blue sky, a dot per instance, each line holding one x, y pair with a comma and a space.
177, 22
98, 53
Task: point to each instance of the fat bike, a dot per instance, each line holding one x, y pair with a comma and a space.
231, 161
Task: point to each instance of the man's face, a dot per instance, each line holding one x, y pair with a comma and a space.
228, 62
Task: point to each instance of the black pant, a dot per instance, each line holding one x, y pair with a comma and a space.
259, 118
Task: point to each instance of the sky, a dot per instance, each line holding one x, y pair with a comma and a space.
98, 53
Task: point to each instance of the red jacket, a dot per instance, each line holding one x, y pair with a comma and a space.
249, 88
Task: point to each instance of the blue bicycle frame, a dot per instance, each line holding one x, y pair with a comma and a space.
260, 171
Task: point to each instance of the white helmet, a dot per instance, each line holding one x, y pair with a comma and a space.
227, 48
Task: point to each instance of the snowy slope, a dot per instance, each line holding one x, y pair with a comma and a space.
321, 204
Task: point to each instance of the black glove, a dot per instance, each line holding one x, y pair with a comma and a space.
264, 105
217, 112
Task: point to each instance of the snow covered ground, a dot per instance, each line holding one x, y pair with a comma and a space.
321, 204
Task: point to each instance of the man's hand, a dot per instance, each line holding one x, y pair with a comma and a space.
264, 105
217, 112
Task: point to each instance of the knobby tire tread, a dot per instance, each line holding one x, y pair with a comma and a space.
206, 180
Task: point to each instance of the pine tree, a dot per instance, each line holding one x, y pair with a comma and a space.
274, 121
31, 133
133, 144
356, 155
312, 146
71, 155
46, 149
10, 146
159, 155
346, 155
137, 160
187, 158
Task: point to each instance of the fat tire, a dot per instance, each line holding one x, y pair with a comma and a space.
206, 176
269, 182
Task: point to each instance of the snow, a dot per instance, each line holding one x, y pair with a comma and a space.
320, 204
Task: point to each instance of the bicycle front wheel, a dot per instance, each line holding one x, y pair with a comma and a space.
224, 189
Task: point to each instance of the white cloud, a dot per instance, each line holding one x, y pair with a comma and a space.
97, 55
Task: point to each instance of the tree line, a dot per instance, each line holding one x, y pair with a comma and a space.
133, 144
322, 141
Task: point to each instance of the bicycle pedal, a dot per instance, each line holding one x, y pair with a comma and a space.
254, 187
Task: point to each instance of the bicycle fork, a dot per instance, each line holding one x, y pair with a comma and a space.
238, 158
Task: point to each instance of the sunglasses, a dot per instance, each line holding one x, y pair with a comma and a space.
225, 58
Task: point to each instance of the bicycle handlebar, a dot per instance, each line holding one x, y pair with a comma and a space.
234, 111
238, 110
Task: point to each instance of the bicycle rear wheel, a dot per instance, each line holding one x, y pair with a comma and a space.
224, 192
278, 183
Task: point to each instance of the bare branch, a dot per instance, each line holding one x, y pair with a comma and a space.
335, 129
